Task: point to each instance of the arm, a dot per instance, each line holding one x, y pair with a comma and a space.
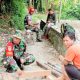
23, 48
69, 57
63, 61
30, 23
47, 18
33, 25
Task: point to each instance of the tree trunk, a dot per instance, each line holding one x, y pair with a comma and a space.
30, 3
46, 5
35, 4
60, 4
40, 6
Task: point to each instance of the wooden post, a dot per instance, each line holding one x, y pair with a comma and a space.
60, 5
40, 7
52, 6
30, 3
46, 5
48, 67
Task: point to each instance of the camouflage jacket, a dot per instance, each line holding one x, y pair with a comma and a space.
19, 49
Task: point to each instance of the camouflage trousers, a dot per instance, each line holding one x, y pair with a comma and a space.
36, 30
28, 58
15, 63
9, 61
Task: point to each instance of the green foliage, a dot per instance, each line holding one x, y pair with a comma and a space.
75, 11
16, 9
18, 13
71, 12
36, 17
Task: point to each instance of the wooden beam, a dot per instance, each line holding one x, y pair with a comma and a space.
49, 78
60, 11
6, 76
42, 65
48, 67
33, 74
22, 75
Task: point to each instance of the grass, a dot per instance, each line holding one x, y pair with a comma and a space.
39, 16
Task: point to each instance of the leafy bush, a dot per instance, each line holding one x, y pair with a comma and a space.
75, 11
71, 10
18, 13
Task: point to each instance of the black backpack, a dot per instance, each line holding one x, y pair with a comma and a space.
42, 24
26, 20
65, 27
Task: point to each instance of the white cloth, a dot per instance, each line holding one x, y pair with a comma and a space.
50, 24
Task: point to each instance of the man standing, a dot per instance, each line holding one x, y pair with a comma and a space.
34, 27
71, 61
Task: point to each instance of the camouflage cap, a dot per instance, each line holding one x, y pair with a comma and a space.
18, 35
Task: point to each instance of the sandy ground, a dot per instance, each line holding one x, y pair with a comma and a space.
43, 51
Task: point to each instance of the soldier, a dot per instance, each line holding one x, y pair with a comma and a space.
15, 54
29, 25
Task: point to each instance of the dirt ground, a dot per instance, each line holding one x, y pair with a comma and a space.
43, 51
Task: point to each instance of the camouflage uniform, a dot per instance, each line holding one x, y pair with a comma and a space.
8, 60
19, 53
36, 29
10, 63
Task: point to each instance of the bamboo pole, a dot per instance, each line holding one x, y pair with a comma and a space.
30, 3
60, 10
46, 5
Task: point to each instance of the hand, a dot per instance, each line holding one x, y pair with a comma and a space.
36, 23
22, 61
35, 26
61, 58
27, 58
4, 62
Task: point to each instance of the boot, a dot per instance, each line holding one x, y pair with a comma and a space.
38, 40
21, 67
10, 70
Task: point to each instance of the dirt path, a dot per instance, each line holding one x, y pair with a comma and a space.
44, 52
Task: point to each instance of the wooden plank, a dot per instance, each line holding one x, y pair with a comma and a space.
22, 75
42, 65
33, 74
57, 67
6, 76
48, 67
49, 78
